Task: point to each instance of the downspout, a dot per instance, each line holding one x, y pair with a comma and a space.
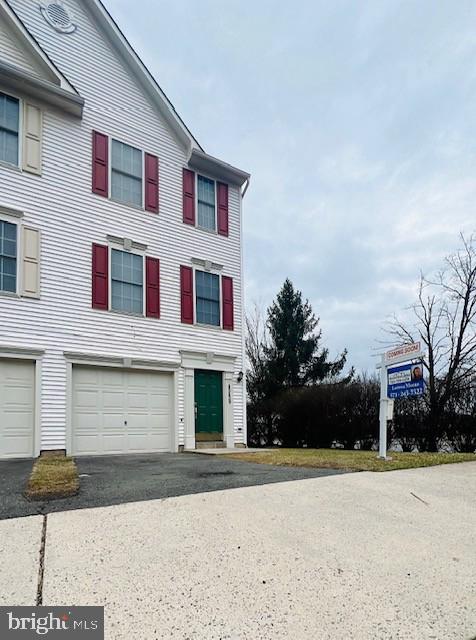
243, 323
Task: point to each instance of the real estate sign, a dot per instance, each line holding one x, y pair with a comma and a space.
405, 352
405, 380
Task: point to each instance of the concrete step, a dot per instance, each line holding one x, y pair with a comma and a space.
215, 444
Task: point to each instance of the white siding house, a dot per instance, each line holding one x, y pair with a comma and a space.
121, 292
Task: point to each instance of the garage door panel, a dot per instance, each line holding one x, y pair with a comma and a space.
111, 421
17, 421
15, 446
137, 401
17, 408
113, 399
85, 420
129, 411
86, 398
86, 444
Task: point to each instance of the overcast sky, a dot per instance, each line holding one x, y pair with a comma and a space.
357, 121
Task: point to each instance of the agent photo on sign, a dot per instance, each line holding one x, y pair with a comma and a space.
417, 373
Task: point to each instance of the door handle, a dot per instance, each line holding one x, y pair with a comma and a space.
196, 411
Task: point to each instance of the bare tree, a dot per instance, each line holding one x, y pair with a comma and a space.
261, 413
444, 320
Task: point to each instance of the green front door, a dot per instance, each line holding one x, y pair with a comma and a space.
208, 405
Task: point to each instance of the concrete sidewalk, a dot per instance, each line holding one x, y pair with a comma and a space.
362, 556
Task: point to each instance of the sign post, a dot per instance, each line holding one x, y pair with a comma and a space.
397, 382
383, 413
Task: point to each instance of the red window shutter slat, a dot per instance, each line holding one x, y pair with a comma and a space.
152, 279
100, 164
222, 209
151, 183
100, 277
188, 196
227, 301
186, 294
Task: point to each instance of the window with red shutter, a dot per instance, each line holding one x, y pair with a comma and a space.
151, 183
222, 208
188, 197
100, 277
152, 277
227, 302
186, 294
100, 168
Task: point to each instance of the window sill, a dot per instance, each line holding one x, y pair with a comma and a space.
212, 232
127, 204
9, 294
12, 167
214, 327
130, 314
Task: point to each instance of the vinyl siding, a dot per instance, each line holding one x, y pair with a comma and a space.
71, 218
12, 52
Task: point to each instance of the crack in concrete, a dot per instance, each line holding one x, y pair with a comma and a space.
41, 568
418, 498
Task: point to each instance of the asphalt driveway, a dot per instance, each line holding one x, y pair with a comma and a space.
112, 480
367, 556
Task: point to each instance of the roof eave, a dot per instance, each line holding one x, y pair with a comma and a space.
201, 161
12, 77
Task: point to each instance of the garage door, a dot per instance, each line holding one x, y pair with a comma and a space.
116, 411
17, 408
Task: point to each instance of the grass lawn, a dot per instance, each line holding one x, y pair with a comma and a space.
352, 460
54, 476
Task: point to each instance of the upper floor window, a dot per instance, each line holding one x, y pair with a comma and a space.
127, 281
9, 129
206, 202
8, 257
126, 173
207, 287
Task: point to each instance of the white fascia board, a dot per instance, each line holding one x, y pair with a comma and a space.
28, 84
201, 161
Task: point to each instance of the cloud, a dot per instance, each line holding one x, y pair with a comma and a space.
357, 123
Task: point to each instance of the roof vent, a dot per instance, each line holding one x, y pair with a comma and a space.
56, 14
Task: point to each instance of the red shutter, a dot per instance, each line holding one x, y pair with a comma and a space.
151, 183
100, 280
100, 164
227, 301
152, 285
188, 196
186, 294
222, 209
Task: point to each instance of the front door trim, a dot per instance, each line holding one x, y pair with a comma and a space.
192, 360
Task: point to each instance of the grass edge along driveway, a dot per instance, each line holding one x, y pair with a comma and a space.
351, 460
52, 476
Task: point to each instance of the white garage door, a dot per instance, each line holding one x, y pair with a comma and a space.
116, 411
17, 408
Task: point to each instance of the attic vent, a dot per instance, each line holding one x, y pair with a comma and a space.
56, 14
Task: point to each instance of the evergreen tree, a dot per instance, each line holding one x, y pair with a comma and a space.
293, 356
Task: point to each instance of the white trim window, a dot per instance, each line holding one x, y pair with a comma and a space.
127, 282
8, 256
206, 203
207, 298
9, 129
126, 173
